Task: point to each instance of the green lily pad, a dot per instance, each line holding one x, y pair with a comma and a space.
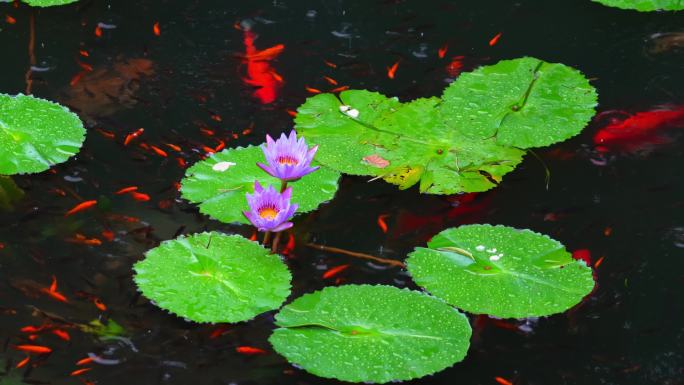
364, 333
522, 103
48, 3
645, 5
213, 277
465, 141
500, 271
220, 191
403, 143
36, 134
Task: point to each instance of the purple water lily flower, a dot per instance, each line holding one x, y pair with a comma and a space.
288, 158
269, 209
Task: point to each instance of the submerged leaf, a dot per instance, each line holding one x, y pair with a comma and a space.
500, 271
36, 134
363, 333
10, 193
219, 183
213, 277
645, 5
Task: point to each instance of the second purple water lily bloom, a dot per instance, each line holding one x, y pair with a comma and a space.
270, 210
288, 158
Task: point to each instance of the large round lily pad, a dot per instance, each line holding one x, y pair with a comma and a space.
36, 134
405, 144
48, 3
363, 333
213, 277
522, 103
219, 183
500, 271
645, 5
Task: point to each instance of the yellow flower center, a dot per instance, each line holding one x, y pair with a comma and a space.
268, 213
287, 159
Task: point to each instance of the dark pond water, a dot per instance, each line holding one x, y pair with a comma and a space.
624, 204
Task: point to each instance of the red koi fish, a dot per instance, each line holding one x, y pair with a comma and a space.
34, 349
637, 132
250, 351
260, 72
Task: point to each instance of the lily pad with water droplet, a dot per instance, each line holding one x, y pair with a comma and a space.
500, 271
219, 184
412, 140
465, 141
645, 5
213, 277
522, 103
375, 334
36, 134
48, 3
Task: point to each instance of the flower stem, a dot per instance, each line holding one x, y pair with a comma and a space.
337, 250
283, 185
276, 242
267, 237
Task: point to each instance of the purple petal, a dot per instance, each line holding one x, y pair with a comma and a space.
250, 217
282, 226
257, 187
269, 169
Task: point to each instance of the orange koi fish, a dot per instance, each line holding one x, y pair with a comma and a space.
61, 334
34, 349
330, 273
174, 147
23, 362
126, 190
339, 89
133, 135
249, 351
78, 372
81, 207
442, 51
391, 71
382, 223
495, 39
312, 90
260, 72
83, 240
159, 151
330, 80
637, 132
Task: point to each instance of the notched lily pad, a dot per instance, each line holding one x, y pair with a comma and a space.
36, 134
213, 277
645, 5
500, 271
405, 144
364, 333
522, 103
464, 142
219, 184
